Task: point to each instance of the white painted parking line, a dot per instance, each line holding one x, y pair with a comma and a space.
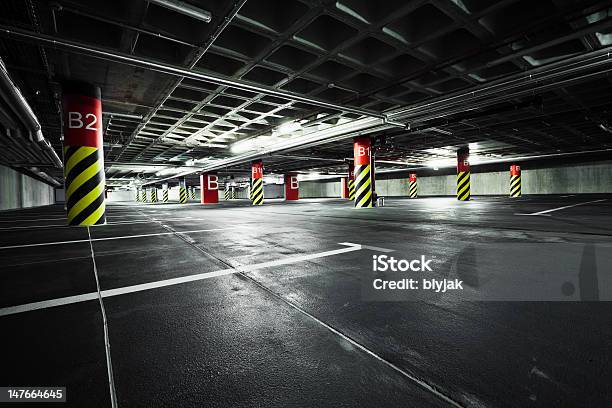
14, 220
71, 226
115, 238
103, 225
109, 365
350, 247
545, 212
63, 218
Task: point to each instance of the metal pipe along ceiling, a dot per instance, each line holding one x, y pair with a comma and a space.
21, 110
184, 8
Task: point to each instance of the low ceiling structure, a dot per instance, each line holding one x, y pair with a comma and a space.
292, 81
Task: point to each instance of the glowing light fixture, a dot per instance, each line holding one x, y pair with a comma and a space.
288, 127
440, 163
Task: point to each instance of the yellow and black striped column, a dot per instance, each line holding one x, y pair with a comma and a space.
412, 186
257, 193
193, 193
463, 174
227, 194
363, 174
143, 195
165, 192
137, 195
233, 193
83, 155
182, 192
154, 195
348, 183
515, 181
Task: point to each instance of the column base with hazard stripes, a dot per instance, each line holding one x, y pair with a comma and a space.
182, 192
154, 195
350, 182
412, 186
515, 181
463, 175
257, 193
83, 155
165, 193
463, 186
363, 174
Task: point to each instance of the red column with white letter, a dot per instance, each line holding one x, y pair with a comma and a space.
463, 174
257, 191
412, 186
292, 187
83, 155
363, 174
515, 181
209, 186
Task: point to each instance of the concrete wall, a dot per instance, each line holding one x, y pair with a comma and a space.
121, 195
571, 179
316, 189
20, 191
274, 191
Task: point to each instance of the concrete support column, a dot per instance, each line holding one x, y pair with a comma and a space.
154, 194
257, 193
515, 181
363, 173
412, 185
83, 155
137, 195
463, 174
182, 191
292, 187
193, 192
165, 192
350, 183
209, 186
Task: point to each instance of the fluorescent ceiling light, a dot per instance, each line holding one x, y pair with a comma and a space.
317, 176
440, 163
273, 179
473, 146
288, 127
440, 151
166, 172
243, 146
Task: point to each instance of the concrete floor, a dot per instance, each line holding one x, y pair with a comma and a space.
282, 321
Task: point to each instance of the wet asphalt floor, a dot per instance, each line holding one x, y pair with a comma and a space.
235, 306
